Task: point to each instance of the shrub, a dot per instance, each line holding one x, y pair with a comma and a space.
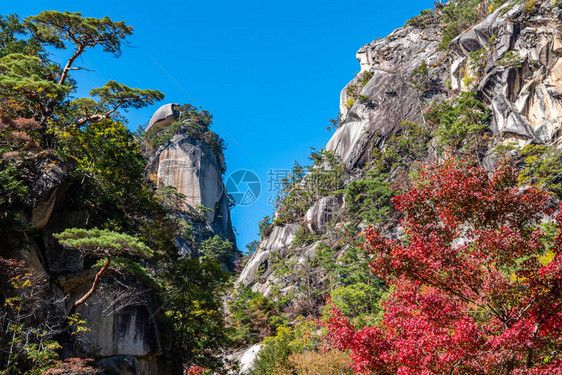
409, 144
510, 59
274, 354
542, 168
422, 20
265, 227
354, 91
457, 15
303, 237
461, 122
330, 362
368, 199
252, 316
300, 190
358, 300
217, 249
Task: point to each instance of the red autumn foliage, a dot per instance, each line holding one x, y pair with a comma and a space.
195, 370
73, 366
477, 281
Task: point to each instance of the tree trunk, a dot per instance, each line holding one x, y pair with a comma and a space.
92, 289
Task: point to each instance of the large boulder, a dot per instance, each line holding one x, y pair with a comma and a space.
163, 116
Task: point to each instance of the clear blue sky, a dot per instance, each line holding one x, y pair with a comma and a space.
270, 72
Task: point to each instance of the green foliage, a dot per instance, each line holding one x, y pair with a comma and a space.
457, 15
273, 357
170, 198
495, 4
274, 354
39, 83
114, 93
12, 191
57, 28
29, 80
103, 242
217, 249
11, 187
368, 199
531, 6
335, 122
364, 78
111, 96
191, 296
41, 128
12, 31
477, 61
110, 166
27, 330
359, 302
419, 78
265, 226
461, 122
510, 59
408, 145
303, 237
298, 193
422, 20
346, 268
192, 121
354, 90
543, 168
253, 316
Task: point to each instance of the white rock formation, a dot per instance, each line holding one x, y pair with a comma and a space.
163, 116
247, 357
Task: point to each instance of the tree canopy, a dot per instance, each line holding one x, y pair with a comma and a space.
476, 280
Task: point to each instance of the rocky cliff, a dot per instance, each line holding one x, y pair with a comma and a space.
124, 334
191, 167
506, 57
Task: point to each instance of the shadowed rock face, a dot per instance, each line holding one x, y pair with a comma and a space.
122, 322
125, 336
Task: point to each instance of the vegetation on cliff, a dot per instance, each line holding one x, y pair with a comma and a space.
433, 256
123, 228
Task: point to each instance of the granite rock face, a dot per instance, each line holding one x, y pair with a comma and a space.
258, 269
246, 357
520, 82
191, 166
163, 116
523, 73
391, 101
125, 336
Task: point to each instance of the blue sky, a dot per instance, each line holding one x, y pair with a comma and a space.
269, 72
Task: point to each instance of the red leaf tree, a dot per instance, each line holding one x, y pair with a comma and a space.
477, 280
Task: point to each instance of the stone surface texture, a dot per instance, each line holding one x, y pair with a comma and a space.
191, 166
521, 84
163, 116
125, 337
